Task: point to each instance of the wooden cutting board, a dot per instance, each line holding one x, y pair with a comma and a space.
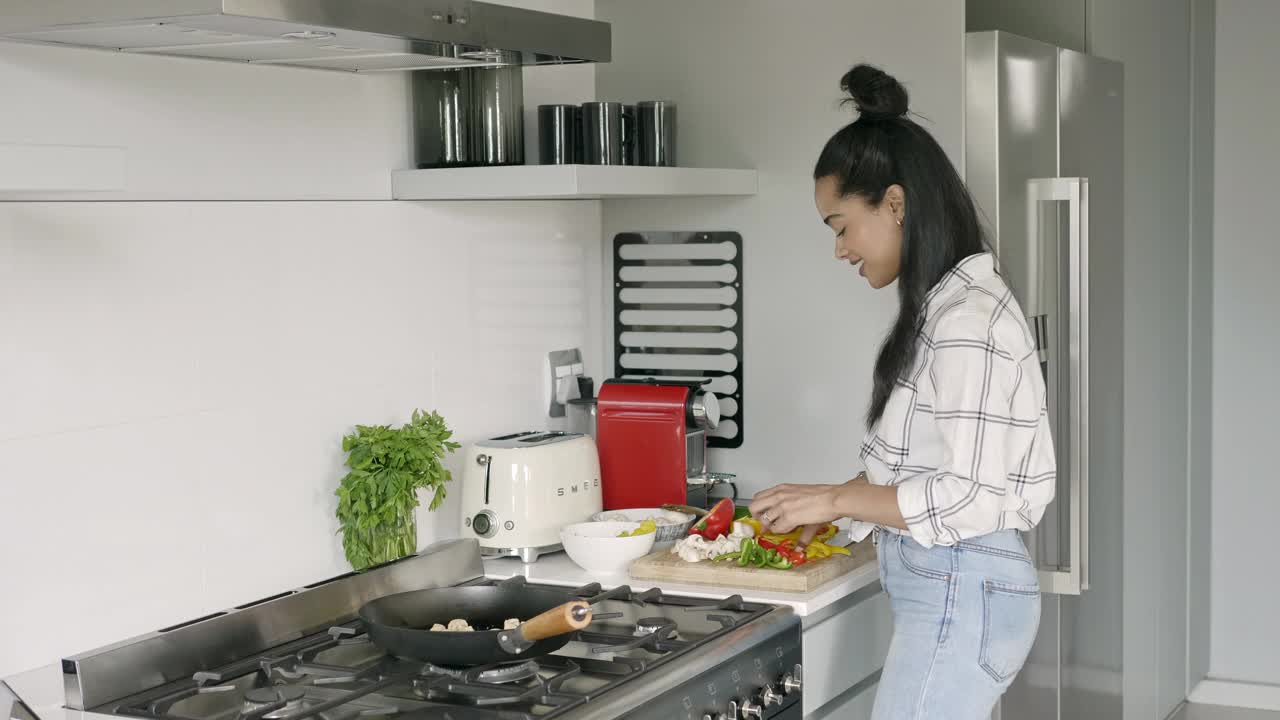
668, 567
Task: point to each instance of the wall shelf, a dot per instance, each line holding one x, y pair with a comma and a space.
569, 182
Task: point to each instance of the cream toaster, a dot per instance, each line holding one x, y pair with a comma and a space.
519, 490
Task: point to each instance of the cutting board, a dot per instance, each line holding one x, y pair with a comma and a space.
666, 566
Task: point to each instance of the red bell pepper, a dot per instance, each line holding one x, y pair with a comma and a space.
716, 522
797, 557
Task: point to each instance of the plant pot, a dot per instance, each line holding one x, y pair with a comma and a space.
367, 547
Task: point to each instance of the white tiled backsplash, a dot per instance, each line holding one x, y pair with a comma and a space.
177, 378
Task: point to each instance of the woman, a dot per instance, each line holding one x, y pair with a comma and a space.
958, 452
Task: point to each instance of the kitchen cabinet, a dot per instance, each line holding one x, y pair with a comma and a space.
855, 704
844, 647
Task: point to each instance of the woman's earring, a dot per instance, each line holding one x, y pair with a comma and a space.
899, 222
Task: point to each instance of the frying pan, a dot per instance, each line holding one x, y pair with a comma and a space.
400, 623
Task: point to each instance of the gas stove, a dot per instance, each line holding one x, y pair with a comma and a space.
305, 655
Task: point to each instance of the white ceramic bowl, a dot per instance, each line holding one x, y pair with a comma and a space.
596, 547
672, 525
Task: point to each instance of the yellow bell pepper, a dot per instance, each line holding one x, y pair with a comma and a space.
817, 550
827, 533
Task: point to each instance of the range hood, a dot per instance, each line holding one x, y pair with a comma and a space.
340, 35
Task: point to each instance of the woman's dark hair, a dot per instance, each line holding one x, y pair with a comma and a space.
940, 226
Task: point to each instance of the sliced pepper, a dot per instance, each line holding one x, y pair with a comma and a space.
791, 554
826, 533
818, 549
716, 522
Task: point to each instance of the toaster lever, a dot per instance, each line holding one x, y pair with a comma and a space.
485, 460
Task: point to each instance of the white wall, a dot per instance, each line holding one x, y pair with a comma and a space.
176, 377
1246, 343
812, 325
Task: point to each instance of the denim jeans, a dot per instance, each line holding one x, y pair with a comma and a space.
964, 619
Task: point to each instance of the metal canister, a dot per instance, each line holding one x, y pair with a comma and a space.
471, 116
559, 134
602, 131
656, 133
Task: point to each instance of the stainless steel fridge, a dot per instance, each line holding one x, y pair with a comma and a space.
1044, 158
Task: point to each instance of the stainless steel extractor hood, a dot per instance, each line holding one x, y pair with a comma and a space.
344, 35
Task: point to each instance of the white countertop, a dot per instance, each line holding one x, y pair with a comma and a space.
558, 569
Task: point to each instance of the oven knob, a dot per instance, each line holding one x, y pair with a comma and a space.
791, 682
751, 710
770, 696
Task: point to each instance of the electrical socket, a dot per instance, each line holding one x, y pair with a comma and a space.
563, 369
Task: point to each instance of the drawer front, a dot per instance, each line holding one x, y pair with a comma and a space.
846, 647
857, 705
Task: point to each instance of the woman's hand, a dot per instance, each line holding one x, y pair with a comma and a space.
783, 508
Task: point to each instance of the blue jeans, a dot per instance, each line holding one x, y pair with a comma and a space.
964, 620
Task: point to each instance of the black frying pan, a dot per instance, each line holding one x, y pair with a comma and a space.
401, 623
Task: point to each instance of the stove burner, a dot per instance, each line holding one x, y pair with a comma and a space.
494, 675
650, 625
288, 697
269, 695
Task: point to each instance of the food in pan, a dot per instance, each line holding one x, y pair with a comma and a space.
460, 625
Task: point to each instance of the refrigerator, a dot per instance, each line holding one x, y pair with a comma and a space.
1044, 159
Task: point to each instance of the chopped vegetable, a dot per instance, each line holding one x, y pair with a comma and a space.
795, 557
751, 554
646, 527
696, 548
825, 534
741, 512
818, 549
716, 522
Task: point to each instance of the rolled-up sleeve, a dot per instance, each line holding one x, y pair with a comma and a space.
981, 401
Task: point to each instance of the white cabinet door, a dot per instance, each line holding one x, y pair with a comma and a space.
843, 647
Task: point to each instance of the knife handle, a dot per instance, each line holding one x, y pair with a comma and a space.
696, 512
573, 615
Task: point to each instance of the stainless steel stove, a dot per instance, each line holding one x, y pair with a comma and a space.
304, 654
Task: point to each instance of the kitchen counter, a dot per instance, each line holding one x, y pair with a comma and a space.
558, 569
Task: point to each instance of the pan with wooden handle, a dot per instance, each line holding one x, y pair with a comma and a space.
401, 623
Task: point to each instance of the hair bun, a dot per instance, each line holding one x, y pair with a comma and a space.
875, 93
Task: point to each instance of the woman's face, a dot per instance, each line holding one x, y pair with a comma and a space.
865, 233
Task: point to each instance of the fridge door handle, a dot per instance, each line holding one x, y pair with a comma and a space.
1074, 191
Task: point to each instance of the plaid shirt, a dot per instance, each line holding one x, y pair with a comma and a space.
965, 434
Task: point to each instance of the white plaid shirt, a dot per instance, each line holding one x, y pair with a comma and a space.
965, 434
